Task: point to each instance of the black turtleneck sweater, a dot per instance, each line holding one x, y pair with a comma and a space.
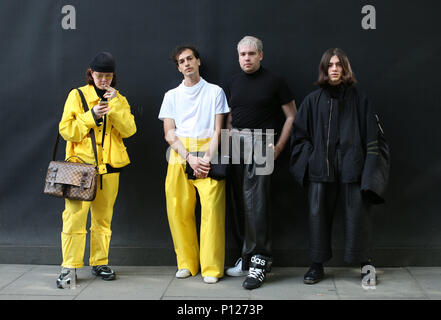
336, 92
334, 155
100, 93
255, 99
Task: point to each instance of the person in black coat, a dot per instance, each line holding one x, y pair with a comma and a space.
340, 156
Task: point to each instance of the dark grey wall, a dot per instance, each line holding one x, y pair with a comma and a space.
398, 65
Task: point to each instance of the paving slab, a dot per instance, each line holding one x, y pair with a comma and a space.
126, 287
196, 288
41, 281
287, 284
392, 283
429, 280
10, 273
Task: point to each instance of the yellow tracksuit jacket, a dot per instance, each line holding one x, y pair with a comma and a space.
76, 124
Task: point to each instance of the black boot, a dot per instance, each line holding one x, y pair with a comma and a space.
315, 274
256, 275
104, 272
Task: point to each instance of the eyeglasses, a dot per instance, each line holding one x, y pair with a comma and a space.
101, 76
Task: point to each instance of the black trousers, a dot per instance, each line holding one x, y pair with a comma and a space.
323, 200
248, 200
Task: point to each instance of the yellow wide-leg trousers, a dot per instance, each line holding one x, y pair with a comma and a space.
181, 203
73, 236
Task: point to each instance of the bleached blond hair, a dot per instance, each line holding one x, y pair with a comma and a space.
251, 41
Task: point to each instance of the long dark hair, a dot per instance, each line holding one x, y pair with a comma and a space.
89, 78
348, 77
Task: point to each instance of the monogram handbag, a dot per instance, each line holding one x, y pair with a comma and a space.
72, 180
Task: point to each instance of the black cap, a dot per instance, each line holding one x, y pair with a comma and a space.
103, 62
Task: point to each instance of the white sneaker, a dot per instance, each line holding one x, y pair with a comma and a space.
183, 273
237, 271
210, 279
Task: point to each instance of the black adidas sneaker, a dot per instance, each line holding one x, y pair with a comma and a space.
256, 275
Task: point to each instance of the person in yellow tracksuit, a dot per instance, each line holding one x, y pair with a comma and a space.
111, 120
193, 115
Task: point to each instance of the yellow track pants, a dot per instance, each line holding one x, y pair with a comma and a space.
73, 237
181, 204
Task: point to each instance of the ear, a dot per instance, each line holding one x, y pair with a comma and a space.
261, 56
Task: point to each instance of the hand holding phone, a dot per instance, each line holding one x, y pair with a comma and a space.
101, 108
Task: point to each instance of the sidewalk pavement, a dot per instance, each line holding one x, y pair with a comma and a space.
37, 282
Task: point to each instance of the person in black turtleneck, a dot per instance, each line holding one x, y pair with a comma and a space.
257, 97
339, 154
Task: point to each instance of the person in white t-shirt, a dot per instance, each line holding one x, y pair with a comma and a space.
193, 116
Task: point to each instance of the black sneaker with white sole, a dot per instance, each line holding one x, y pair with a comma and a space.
104, 272
256, 275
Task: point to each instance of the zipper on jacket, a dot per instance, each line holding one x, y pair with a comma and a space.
329, 133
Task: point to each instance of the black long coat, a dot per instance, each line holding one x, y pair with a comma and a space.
321, 123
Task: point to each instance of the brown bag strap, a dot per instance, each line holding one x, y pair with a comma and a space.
91, 132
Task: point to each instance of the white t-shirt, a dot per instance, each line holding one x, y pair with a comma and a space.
194, 108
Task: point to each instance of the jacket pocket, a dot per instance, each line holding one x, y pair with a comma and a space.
118, 152
315, 164
353, 162
84, 150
